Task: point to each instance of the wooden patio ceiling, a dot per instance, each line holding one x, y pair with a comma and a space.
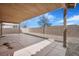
18, 12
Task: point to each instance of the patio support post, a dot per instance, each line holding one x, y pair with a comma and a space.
1, 28
19, 29
65, 28
67, 5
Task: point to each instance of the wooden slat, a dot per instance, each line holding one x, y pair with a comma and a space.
20, 12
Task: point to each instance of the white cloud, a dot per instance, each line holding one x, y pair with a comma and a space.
49, 16
74, 18
71, 20
70, 23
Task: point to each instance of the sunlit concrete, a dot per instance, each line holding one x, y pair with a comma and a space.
43, 48
33, 49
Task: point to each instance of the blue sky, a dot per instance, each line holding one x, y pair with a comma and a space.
56, 18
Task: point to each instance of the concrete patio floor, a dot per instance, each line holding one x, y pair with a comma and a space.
20, 41
72, 43
43, 48
17, 41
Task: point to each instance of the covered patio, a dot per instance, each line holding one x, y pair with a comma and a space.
16, 13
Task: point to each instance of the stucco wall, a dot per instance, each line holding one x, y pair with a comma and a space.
55, 30
10, 30
73, 30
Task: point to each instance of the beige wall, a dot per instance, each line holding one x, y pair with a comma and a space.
58, 30
10, 30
